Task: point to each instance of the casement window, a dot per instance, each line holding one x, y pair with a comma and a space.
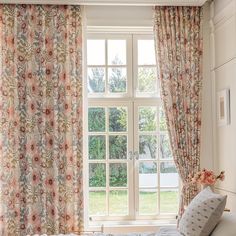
131, 174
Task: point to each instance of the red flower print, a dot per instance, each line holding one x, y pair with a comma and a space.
68, 217
53, 212
35, 177
48, 111
36, 158
21, 58
66, 106
48, 71
32, 106
40, 120
68, 177
52, 123
22, 226
34, 217
22, 129
49, 181
51, 142
31, 147
30, 75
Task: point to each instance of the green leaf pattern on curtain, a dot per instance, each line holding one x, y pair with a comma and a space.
40, 119
178, 40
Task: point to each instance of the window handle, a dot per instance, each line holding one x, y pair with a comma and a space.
136, 155
131, 155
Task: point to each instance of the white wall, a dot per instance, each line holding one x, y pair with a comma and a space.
206, 129
223, 72
128, 16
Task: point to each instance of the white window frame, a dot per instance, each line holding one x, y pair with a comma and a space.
107, 161
128, 65
130, 97
137, 104
137, 37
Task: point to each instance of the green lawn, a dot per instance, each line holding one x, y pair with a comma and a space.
118, 202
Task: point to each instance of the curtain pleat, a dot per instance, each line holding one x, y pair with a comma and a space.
178, 41
41, 178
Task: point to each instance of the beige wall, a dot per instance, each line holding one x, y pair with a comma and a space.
206, 131
223, 73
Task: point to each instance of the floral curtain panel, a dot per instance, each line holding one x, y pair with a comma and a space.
178, 41
40, 119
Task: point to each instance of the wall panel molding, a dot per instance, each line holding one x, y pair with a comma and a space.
225, 14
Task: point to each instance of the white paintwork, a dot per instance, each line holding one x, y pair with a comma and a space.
223, 70
111, 2
225, 38
206, 129
118, 16
219, 5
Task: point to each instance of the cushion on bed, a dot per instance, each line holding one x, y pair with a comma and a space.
202, 214
226, 226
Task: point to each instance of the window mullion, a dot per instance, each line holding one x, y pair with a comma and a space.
107, 162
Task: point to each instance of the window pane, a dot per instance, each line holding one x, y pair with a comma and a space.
165, 149
147, 146
146, 52
96, 52
97, 203
147, 80
96, 80
169, 201
116, 52
97, 147
118, 147
117, 77
96, 119
168, 174
118, 202
147, 202
147, 118
147, 174
97, 175
162, 120
118, 175
117, 119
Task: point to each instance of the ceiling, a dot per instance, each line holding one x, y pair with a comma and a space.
112, 2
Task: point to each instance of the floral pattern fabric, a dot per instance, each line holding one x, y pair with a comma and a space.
40, 119
178, 41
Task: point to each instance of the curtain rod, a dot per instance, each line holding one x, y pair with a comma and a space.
109, 2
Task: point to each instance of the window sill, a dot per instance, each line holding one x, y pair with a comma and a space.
130, 226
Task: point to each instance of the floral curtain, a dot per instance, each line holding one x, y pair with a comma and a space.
40, 119
178, 41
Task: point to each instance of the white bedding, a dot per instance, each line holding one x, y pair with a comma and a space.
163, 232
226, 227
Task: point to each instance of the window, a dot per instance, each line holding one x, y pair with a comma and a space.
131, 173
